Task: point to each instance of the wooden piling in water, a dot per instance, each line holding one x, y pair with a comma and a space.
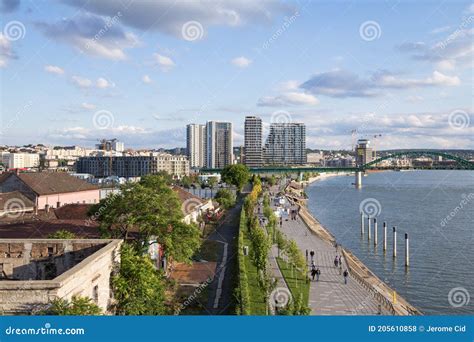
375, 232
368, 228
394, 242
407, 251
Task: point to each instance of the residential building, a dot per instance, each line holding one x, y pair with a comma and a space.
253, 142
20, 160
192, 206
195, 144
315, 158
286, 144
68, 152
134, 166
50, 189
218, 144
34, 272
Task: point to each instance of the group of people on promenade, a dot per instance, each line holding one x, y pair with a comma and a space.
316, 272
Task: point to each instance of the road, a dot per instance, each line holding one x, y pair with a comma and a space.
220, 298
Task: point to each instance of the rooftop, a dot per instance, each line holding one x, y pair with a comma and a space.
48, 183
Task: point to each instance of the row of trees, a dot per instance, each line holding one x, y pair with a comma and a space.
260, 241
242, 292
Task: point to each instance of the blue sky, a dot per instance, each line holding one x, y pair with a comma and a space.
74, 71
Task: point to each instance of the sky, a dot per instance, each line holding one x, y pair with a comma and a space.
75, 71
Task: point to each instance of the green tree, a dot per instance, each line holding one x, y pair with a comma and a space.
62, 234
225, 198
77, 306
212, 181
236, 174
186, 182
271, 180
295, 256
260, 246
150, 209
138, 288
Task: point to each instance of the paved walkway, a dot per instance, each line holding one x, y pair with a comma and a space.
221, 288
330, 296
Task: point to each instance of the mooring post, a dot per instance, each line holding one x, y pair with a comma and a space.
368, 228
407, 251
385, 236
375, 232
394, 242
362, 223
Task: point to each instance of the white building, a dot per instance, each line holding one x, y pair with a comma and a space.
195, 143
219, 144
20, 160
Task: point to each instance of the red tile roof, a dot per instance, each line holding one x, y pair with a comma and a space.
73, 212
14, 200
48, 183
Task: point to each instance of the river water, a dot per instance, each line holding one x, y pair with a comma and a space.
435, 208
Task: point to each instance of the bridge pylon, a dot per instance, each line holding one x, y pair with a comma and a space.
358, 179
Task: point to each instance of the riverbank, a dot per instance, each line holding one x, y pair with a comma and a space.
323, 176
386, 296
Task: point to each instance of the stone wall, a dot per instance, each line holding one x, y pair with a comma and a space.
88, 278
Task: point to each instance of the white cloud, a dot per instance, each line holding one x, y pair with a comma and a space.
288, 99
447, 65
81, 82
173, 15
436, 79
92, 35
88, 106
54, 69
165, 63
440, 29
102, 83
241, 62
6, 52
290, 85
146, 79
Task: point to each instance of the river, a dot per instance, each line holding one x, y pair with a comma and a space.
435, 208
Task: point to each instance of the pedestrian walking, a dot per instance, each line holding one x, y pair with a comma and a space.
313, 274
336, 261
346, 274
340, 260
312, 255
318, 272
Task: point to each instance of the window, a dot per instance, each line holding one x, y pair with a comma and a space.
95, 293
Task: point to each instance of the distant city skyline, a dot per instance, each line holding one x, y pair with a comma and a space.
75, 71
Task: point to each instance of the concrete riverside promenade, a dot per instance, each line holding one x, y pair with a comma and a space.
364, 293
